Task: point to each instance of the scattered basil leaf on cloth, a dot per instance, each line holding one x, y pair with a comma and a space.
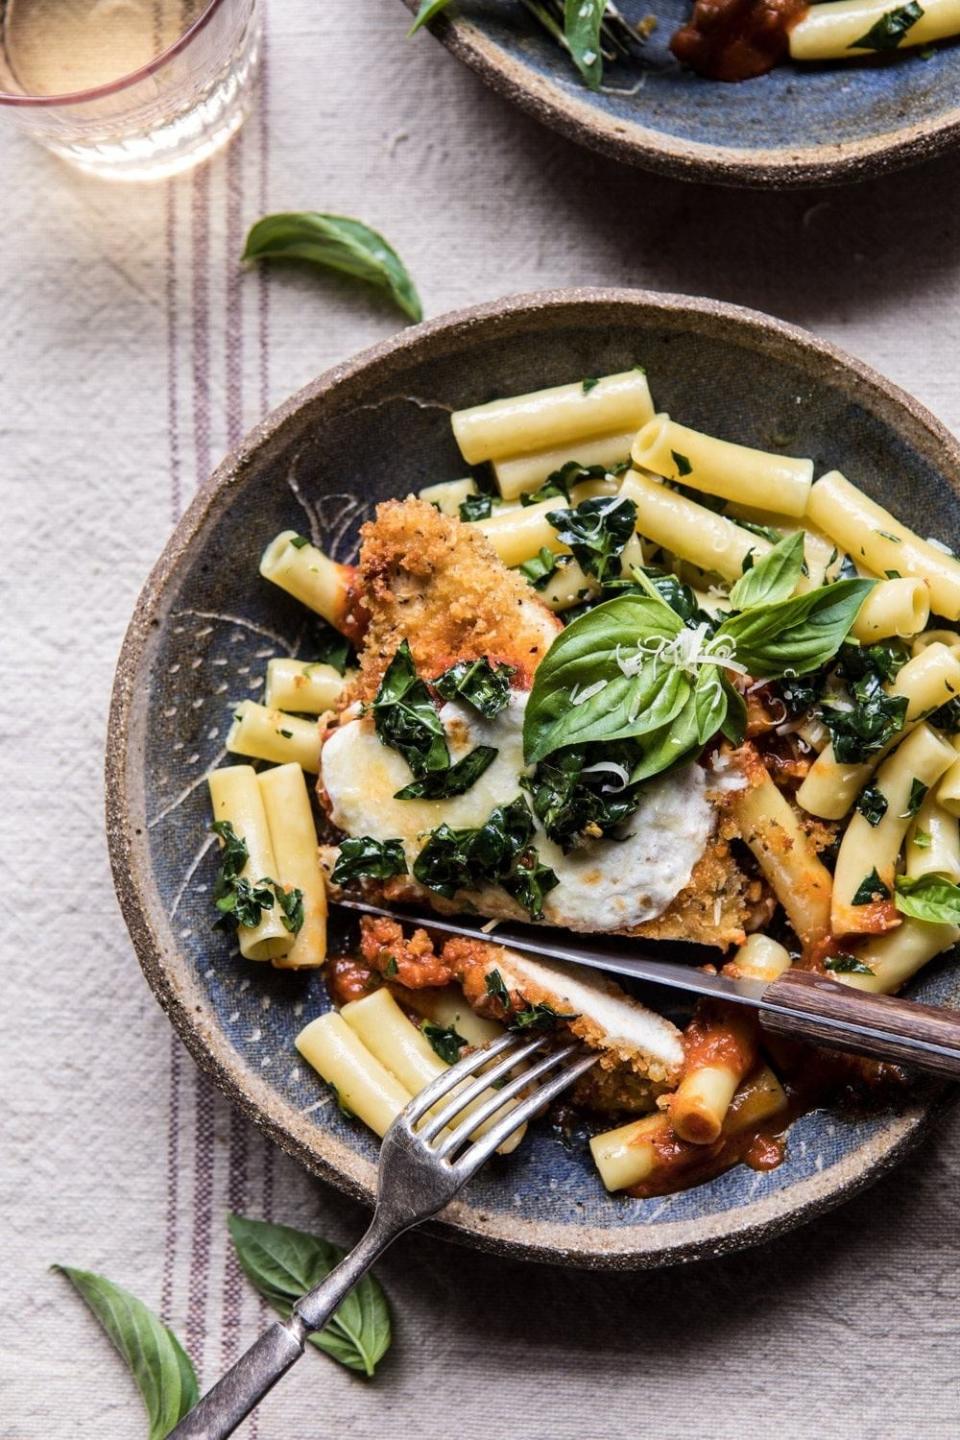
337, 243
283, 1264
153, 1354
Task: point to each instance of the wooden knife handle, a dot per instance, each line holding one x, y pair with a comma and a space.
889, 1028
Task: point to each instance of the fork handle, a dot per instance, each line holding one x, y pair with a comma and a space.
268, 1359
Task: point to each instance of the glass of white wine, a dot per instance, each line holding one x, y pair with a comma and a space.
130, 89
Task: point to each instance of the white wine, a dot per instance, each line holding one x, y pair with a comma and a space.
56, 47
134, 89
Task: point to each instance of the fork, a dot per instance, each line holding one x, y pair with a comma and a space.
420, 1172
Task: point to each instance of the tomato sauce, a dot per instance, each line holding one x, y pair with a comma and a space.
737, 39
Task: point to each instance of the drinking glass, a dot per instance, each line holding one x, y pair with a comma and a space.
129, 89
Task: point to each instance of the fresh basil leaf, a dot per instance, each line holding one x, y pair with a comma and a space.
674, 593
499, 852
797, 635
406, 719
580, 692
361, 856
596, 531
582, 20
243, 903
872, 804
446, 1043
918, 793
709, 702
844, 964
445, 784
484, 686
428, 10
734, 726
476, 507
329, 647
772, 578
871, 888
540, 568
337, 243
540, 1017
886, 34
668, 746
283, 1264
928, 897
152, 1353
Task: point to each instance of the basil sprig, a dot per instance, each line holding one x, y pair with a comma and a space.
335, 242
631, 669
153, 1354
284, 1264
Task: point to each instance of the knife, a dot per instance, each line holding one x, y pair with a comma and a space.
799, 1004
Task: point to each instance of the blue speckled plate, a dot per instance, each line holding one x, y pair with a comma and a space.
206, 625
799, 125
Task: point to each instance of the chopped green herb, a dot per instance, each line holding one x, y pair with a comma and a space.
875, 717
457, 780
918, 793
299, 541
291, 908
484, 686
596, 532
872, 804
287, 734
495, 987
244, 903
499, 852
682, 463
887, 536
406, 719
890, 29
893, 574
871, 888
391, 967
476, 507
540, 568
844, 964
922, 839
574, 808
767, 532
447, 1043
540, 1017
590, 383
345, 1111
362, 856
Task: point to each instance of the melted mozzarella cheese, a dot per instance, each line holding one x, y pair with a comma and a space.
606, 885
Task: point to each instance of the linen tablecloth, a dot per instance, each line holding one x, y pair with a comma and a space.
134, 352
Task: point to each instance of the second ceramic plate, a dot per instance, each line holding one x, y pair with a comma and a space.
799, 125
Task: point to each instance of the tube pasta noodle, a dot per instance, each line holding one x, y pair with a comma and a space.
236, 798
298, 567
759, 958
894, 607
449, 495
922, 758
307, 687
567, 586
448, 1008
948, 791
364, 1086
719, 467
294, 836
872, 535
950, 638
933, 842
266, 734
928, 681
723, 1052
519, 533
526, 473
551, 418
896, 957
769, 825
832, 32
760, 1098
689, 530
407, 1053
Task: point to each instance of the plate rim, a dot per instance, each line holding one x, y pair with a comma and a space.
176, 988
634, 144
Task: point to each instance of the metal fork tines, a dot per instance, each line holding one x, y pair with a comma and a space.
426, 1157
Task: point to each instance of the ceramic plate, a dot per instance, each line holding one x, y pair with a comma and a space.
799, 125
206, 625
